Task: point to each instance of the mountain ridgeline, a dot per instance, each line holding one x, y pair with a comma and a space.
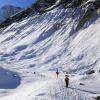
7, 11
88, 9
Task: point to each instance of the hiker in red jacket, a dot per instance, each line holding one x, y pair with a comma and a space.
57, 73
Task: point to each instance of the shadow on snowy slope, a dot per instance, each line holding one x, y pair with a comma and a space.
9, 79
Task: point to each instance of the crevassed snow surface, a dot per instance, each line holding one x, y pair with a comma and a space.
43, 43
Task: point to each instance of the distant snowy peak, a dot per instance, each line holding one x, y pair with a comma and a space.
7, 11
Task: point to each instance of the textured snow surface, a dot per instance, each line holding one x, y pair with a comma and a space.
43, 43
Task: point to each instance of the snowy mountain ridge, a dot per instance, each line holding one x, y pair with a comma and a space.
45, 43
87, 8
8, 10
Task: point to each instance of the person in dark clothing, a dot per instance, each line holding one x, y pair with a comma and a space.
57, 73
66, 80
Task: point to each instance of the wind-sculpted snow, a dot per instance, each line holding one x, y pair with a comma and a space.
37, 34
47, 40
43, 43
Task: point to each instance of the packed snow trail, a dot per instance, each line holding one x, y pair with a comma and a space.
46, 87
56, 90
83, 90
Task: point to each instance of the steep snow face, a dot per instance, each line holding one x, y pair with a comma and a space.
7, 11
38, 41
85, 48
49, 41
45, 43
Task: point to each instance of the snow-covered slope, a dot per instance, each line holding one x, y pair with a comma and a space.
43, 43
7, 11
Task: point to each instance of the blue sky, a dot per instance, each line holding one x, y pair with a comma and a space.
20, 3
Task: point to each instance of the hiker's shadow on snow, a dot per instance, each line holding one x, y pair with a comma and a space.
82, 90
